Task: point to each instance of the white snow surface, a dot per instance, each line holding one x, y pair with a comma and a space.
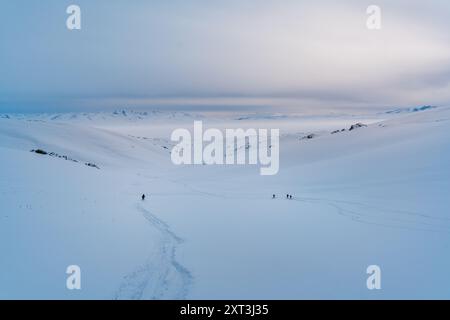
378, 195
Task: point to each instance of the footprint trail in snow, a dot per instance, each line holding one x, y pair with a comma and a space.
162, 276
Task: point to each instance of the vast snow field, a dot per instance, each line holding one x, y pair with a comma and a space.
377, 195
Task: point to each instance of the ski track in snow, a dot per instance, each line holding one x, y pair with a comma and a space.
360, 212
384, 217
357, 212
162, 276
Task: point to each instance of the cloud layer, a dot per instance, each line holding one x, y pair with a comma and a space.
141, 50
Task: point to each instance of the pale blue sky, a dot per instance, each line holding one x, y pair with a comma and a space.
143, 52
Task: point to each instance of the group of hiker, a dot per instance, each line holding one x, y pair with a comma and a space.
288, 196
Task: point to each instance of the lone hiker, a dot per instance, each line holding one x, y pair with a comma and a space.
143, 197
273, 196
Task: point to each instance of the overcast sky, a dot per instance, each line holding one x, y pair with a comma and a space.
136, 52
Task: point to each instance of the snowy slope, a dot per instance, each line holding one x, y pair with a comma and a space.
375, 195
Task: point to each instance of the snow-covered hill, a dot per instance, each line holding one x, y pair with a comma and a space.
374, 195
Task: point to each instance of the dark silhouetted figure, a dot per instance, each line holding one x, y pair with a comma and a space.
273, 196
143, 197
290, 196
287, 196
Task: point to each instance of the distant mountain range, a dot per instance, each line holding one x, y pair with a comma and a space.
412, 109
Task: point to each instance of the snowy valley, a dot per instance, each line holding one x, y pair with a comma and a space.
367, 189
